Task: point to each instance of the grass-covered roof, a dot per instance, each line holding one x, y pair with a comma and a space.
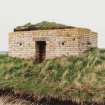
41, 26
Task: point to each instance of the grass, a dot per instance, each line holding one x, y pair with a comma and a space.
82, 76
44, 25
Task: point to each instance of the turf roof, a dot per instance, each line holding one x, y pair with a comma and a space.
41, 26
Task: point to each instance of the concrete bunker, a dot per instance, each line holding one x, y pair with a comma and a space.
47, 40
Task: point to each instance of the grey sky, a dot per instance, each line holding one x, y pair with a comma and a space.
85, 13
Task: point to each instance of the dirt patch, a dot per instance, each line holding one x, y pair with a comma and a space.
26, 97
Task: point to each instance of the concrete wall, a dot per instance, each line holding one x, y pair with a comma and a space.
59, 42
87, 40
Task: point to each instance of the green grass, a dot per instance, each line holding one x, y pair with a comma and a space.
82, 76
42, 26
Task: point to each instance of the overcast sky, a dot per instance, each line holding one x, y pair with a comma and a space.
85, 13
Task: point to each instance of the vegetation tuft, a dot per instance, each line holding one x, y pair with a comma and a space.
82, 77
44, 25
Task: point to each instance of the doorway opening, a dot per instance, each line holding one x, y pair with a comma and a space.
40, 51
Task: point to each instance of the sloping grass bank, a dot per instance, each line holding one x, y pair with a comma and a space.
81, 78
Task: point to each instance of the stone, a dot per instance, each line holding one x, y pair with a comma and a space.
51, 43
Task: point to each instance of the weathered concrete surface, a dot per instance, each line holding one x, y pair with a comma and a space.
59, 42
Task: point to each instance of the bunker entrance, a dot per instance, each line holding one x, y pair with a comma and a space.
40, 51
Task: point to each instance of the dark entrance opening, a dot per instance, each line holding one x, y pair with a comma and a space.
40, 51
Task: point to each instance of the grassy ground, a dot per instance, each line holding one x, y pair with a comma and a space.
82, 77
